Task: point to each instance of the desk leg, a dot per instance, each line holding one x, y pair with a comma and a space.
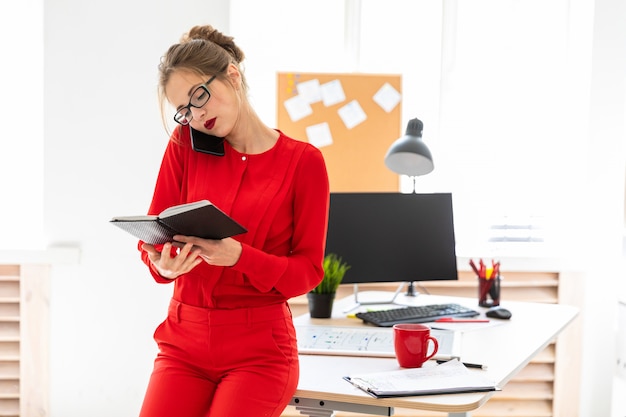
315, 412
321, 408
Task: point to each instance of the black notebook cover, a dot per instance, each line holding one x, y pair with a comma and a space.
200, 219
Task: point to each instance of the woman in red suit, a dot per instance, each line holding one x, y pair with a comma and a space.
228, 345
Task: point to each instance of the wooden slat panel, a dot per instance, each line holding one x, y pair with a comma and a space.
472, 283
9, 350
9, 310
516, 276
9, 369
9, 289
515, 408
10, 270
548, 355
536, 291
539, 390
9, 407
537, 281
9, 340
9, 388
10, 330
536, 372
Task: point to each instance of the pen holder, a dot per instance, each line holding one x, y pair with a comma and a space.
489, 291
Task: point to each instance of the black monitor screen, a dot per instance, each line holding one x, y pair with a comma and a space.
393, 237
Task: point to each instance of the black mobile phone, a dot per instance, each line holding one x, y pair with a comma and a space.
205, 143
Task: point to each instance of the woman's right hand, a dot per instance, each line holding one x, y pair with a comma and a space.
170, 263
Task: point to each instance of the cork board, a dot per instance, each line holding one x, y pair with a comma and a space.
351, 118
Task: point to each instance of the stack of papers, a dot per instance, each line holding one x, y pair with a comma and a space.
449, 377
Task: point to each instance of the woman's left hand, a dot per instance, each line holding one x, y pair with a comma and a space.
224, 252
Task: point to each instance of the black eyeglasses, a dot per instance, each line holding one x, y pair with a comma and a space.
199, 98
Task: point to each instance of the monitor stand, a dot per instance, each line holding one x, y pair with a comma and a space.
357, 303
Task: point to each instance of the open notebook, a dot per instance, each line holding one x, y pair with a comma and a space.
366, 341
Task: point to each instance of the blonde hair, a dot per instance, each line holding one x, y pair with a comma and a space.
203, 50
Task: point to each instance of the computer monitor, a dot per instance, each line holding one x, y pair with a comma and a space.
393, 237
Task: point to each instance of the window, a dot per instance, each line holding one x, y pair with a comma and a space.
490, 81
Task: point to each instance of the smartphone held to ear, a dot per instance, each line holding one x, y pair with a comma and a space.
205, 143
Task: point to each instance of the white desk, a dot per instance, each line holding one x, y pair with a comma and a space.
505, 347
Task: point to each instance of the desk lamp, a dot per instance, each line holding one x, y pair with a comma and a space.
409, 155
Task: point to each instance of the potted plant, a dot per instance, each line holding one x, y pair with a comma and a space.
321, 297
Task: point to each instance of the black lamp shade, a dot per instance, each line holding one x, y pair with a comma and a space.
409, 155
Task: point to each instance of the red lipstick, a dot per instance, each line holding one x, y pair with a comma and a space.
209, 124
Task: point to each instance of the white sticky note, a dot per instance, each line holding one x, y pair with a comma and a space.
332, 93
310, 91
298, 108
319, 135
352, 114
387, 97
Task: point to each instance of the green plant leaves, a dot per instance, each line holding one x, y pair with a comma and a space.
334, 270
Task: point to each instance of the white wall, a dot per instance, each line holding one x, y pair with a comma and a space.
604, 203
103, 144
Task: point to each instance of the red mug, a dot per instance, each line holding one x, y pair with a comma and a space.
411, 342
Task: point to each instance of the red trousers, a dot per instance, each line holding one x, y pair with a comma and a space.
223, 363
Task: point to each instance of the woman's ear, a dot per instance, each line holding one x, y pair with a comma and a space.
234, 75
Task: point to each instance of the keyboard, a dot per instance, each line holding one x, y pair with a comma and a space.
415, 314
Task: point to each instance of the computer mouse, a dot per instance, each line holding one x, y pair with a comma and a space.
498, 313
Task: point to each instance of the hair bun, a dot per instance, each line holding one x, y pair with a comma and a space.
210, 34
